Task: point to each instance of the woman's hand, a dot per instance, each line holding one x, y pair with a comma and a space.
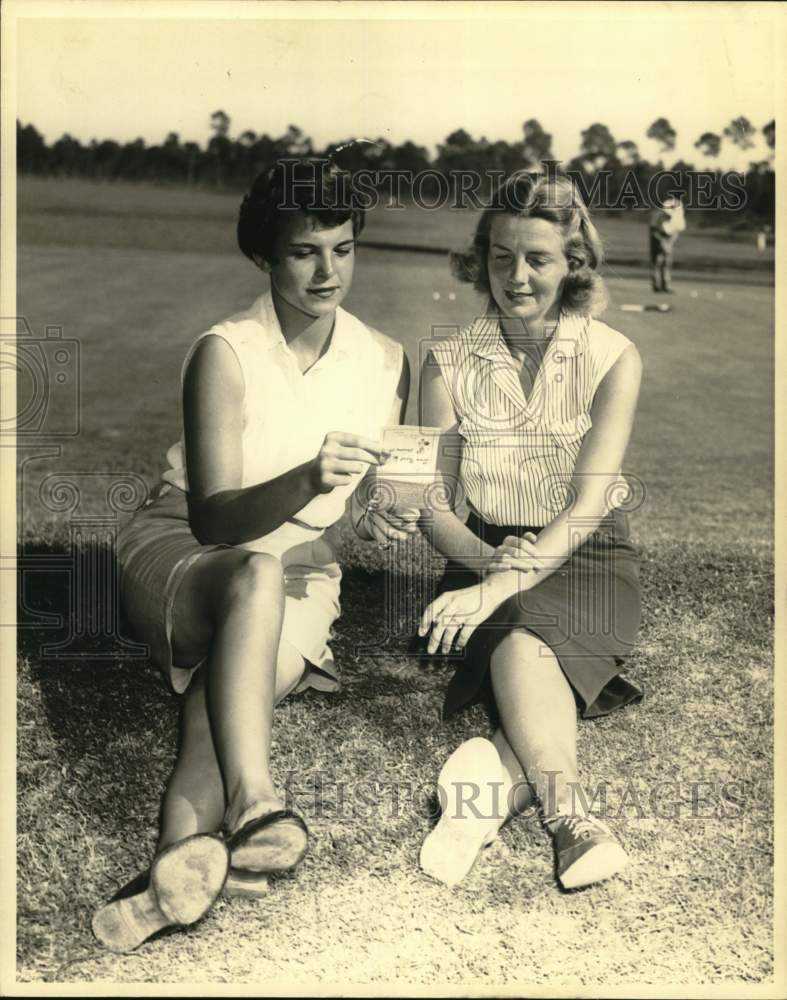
373, 521
396, 524
455, 615
516, 553
341, 457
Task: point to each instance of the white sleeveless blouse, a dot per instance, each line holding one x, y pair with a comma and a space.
518, 454
286, 413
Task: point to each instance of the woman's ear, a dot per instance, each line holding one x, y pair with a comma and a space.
261, 263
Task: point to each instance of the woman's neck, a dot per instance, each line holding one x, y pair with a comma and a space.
525, 336
299, 328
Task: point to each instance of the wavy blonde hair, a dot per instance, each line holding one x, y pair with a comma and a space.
556, 199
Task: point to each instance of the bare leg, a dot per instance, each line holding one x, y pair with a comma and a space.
194, 801
538, 732
538, 713
538, 716
536, 746
230, 608
517, 795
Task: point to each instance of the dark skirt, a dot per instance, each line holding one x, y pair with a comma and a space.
587, 612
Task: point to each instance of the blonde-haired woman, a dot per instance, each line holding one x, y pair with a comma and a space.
536, 402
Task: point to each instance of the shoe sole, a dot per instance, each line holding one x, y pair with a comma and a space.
276, 848
246, 885
596, 865
185, 882
452, 848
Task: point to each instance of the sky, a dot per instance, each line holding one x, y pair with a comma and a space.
399, 71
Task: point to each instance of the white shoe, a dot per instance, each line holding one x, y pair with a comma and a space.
470, 787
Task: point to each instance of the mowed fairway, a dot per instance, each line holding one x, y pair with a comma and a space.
687, 771
702, 442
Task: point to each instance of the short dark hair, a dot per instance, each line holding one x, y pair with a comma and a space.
556, 199
309, 185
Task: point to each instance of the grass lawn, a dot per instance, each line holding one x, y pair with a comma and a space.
687, 772
142, 216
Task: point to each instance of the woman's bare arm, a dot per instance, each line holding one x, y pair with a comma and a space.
443, 528
220, 509
595, 473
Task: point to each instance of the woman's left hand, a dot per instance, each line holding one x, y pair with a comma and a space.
516, 553
395, 524
455, 615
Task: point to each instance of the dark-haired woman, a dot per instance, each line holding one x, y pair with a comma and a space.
229, 573
536, 401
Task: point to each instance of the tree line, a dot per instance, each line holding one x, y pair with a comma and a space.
228, 162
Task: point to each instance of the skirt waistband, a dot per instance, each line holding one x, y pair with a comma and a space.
614, 525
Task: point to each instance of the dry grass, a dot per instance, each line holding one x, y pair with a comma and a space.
688, 788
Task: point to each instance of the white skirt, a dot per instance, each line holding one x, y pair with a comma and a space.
155, 550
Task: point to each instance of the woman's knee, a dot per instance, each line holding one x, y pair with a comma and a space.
522, 648
254, 576
522, 644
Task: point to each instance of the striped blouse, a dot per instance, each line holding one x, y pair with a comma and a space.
518, 454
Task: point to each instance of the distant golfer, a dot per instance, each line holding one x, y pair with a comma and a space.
666, 224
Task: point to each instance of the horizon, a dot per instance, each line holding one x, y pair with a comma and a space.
419, 80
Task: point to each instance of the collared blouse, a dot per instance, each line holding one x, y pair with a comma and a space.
518, 454
287, 413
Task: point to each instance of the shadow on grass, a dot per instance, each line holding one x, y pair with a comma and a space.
100, 695
100, 698
97, 727
97, 733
